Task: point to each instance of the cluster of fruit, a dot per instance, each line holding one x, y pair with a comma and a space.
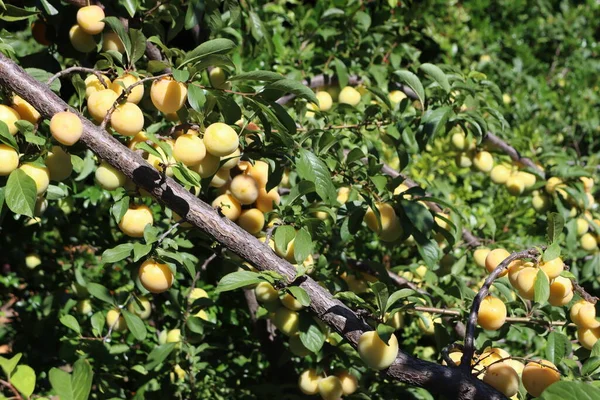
89, 23
331, 387
348, 95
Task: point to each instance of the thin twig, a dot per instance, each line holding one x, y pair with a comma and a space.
586, 296
11, 388
171, 229
71, 70
193, 285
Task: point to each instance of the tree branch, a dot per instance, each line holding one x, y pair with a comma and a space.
72, 70
452, 382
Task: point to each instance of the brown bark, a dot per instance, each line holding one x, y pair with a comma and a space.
452, 382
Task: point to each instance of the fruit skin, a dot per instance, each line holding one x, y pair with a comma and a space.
244, 188
93, 84
218, 79
100, 102
112, 41
396, 96
90, 19
84, 306
174, 336
208, 166
266, 293
500, 174
115, 320
348, 381
135, 220
350, 96
588, 242
427, 327
189, 149
108, 177
25, 110
480, 255
561, 291
155, 277
252, 221
583, 314
525, 282
265, 200
66, 128
494, 258
552, 184
146, 308
164, 159
308, 382
9, 160
167, 95
515, 185
9, 116
260, 172
330, 388
59, 164
123, 82
536, 378
588, 337
32, 260
552, 268
220, 139
387, 215
492, 314
40, 175
503, 378
127, 119
297, 347
286, 321
374, 351
483, 161
325, 102
228, 206
291, 303
540, 203
80, 40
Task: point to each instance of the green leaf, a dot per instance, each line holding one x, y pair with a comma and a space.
215, 46
117, 253
294, 87
24, 380
381, 296
12, 13
20, 193
591, 366
385, 332
263, 76
138, 40
140, 250
311, 335
98, 320
9, 365
341, 71
541, 288
196, 97
398, 295
100, 292
70, 322
260, 32
434, 122
303, 246
300, 295
556, 223
557, 346
412, 81
195, 325
552, 252
6, 137
313, 169
570, 390
130, 6
42, 76
81, 380
237, 280
61, 383
283, 236
158, 355
135, 324
117, 26
437, 75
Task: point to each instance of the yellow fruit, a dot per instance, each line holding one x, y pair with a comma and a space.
536, 378
491, 355
9, 116
112, 41
155, 277
463, 160
582, 226
527, 179
308, 382
343, 193
40, 175
515, 185
492, 314
220, 139
350, 96
588, 242
561, 291
208, 166
218, 79
426, 323
588, 337
260, 172
232, 159
540, 203
516, 365
66, 128
25, 110
93, 84
355, 284
265, 200
387, 217
252, 221
90, 19
500, 174
9, 159
291, 303
588, 183
197, 293
348, 381
325, 101
108, 177
396, 96
396, 321
80, 40
502, 377
135, 220
494, 258
455, 356
59, 164
483, 161
244, 188
480, 255
174, 336
115, 320
228, 206
266, 293
375, 352
330, 388
526, 282
157, 162
123, 82
84, 306
32, 260
297, 347
583, 314
189, 149
167, 95
552, 184
127, 119
459, 140
144, 310
553, 268
100, 102
515, 268
221, 180
286, 321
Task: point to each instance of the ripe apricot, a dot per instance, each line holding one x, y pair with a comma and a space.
552, 184
480, 255
308, 382
135, 220
588, 337
494, 258
112, 41
266, 293
588, 242
325, 102
537, 377
93, 84
84, 306
59, 164
502, 377
9, 116
155, 277
66, 128
9, 160
515, 268
252, 221
540, 202
286, 321
25, 110
426, 323
127, 119
100, 102
583, 313
483, 161
208, 166
90, 18
189, 149
123, 82
387, 216
330, 388
492, 313
244, 188
108, 177
80, 40
350, 96
220, 139
218, 79
40, 175
115, 320
500, 174
527, 179
349, 382
515, 185
290, 302
158, 162
561, 291
260, 172
167, 95
526, 282
396, 96
144, 311
375, 352
228, 206
491, 355
266, 200
552, 268
174, 336
396, 321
